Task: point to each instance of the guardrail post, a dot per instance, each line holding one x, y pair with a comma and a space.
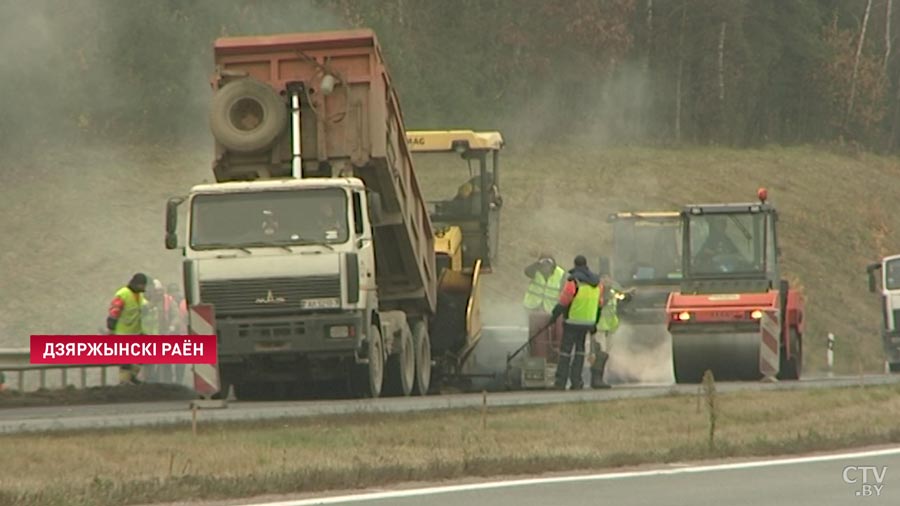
830, 355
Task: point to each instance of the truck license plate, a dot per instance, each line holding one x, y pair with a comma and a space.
325, 303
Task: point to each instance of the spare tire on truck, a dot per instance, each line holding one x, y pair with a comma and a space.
247, 115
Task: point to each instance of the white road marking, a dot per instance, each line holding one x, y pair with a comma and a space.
372, 496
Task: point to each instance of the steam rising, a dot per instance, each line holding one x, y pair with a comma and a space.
640, 354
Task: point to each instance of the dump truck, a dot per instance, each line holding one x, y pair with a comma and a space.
314, 245
889, 277
733, 314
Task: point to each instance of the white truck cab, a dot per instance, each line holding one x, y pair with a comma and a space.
889, 270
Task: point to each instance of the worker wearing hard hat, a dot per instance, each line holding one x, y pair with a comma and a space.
547, 280
580, 303
125, 318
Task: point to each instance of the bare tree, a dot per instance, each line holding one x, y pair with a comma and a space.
680, 73
643, 116
859, 47
649, 34
887, 35
722, 64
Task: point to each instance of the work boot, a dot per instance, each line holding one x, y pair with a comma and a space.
577, 368
562, 371
598, 369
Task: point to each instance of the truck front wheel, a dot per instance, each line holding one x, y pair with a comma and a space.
368, 379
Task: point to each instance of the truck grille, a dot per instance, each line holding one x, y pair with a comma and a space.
266, 296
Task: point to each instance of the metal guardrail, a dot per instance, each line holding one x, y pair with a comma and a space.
17, 362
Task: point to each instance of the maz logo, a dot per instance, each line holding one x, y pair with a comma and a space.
271, 299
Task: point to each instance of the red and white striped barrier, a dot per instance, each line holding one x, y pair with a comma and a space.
770, 345
202, 321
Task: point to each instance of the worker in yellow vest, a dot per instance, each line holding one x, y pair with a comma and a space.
124, 318
580, 304
547, 280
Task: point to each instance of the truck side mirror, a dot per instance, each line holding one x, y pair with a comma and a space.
870, 269
374, 205
172, 222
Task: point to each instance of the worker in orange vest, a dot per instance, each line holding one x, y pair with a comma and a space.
579, 304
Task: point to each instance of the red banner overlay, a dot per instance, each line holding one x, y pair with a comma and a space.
102, 349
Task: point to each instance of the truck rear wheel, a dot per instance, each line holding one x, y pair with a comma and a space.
401, 368
247, 115
422, 344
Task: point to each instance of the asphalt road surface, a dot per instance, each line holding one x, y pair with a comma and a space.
823, 480
40, 419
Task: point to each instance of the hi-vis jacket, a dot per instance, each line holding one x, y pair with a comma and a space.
543, 292
581, 298
126, 308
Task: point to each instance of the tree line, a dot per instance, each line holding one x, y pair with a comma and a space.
727, 72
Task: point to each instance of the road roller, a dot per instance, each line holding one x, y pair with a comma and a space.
646, 256
733, 314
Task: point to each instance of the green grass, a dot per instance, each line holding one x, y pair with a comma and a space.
82, 220
134, 466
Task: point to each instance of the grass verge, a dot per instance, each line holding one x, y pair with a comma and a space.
136, 466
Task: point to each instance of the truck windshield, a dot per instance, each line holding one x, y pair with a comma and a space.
728, 244
280, 218
647, 251
892, 275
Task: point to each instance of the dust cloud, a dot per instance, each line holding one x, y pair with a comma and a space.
106, 118
546, 209
640, 354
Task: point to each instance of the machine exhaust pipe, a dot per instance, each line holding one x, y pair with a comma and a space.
297, 161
